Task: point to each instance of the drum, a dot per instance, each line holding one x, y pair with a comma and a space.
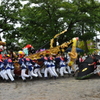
17, 70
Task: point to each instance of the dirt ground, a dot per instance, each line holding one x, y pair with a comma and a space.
67, 88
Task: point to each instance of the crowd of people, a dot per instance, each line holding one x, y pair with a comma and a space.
53, 66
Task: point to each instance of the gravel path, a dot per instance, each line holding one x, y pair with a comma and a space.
67, 88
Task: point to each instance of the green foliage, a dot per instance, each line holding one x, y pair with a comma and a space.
92, 51
40, 20
9, 14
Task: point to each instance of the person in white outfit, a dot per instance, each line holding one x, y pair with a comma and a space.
29, 65
21, 61
48, 68
37, 69
66, 60
62, 66
9, 67
52, 63
3, 71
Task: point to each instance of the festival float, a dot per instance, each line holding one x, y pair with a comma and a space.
60, 48
53, 51
84, 70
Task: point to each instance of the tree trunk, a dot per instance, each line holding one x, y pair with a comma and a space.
86, 47
0, 38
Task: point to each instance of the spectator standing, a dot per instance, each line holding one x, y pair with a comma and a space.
84, 56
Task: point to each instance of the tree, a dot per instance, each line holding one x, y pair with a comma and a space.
89, 20
40, 20
9, 16
85, 23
